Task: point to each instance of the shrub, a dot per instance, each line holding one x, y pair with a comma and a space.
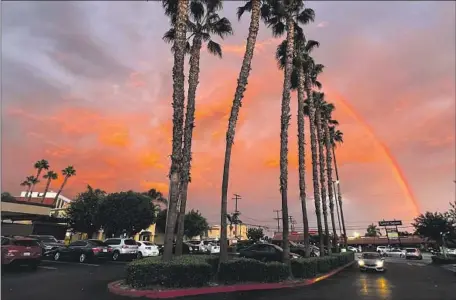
304, 267
441, 260
184, 271
250, 270
310, 267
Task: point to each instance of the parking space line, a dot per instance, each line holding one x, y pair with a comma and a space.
47, 268
71, 263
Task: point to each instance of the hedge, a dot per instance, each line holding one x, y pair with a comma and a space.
441, 260
251, 270
310, 267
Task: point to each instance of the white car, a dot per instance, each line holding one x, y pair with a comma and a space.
146, 249
371, 261
352, 249
213, 248
395, 252
197, 246
383, 249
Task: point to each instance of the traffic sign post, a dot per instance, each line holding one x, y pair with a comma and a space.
393, 223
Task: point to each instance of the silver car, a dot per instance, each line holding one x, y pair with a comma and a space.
122, 248
395, 252
371, 261
413, 253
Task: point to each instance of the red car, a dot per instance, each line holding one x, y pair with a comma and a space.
21, 251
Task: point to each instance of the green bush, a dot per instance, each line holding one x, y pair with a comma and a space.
304, 267
310, 267
250, 270
184, 271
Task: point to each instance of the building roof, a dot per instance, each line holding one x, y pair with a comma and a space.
383, 240
294, 236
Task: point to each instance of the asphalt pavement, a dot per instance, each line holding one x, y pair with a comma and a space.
73, 281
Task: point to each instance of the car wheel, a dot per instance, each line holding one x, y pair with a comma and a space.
57, 256
82, 258
139, 255
115, 256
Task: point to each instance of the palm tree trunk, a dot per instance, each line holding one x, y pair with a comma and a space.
60, 190
313, 148
284, 124
33, 185
46, 189
339, 195
302, 160
322, 162
330, 190
178, 120
28, 191
188, 132
337, 208
239, 94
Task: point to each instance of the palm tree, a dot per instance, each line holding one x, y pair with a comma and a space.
302, 49
285, 18
326, 114
39, 166
178, 10
233, 219
259, 9
319, 103
67, 173
373, 231
203, 22
338, 137
28, 184
50, 175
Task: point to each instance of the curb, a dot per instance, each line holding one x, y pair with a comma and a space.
115, 287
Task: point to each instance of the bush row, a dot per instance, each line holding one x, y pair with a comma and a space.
441, 260
195, 271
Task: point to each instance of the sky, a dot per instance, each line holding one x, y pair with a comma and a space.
89, 84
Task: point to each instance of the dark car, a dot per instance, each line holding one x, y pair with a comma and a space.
47, 242
241, 245
300, 249
21, 251
186, 249
83, 251
265, 252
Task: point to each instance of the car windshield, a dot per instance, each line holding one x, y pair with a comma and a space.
26, 243
371, 255
130, 242
410, 250
47, 239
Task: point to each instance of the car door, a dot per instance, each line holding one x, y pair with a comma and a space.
271, 253
75, 249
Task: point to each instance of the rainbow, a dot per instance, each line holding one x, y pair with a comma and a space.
397, 171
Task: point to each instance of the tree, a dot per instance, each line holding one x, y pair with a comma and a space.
156, 196
255, 234
84, 212
285, 18
126, 212
67, 173
258, 8
233, 219
451, 214
7, 197
337, 137
27, 183
179, 20
432, 225
373, 231
50, 175
195, 224
301, 51
203, 21
39, 166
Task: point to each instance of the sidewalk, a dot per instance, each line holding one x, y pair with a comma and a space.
118, 288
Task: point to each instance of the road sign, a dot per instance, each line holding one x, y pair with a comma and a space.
390, 223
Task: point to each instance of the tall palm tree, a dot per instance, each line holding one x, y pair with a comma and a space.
258, 9
203, 22
302, 49
319, 103
67, 173
39, 166
326, 114
179, 20
285, 18
338, 137
50, 175
28, 184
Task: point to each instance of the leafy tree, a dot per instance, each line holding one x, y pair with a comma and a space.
431, 225
67, 173
7, 197
451, 214
373, 231
50, 175
126, 212
195, 224
39, 166
156, 196
255, 234
84, 212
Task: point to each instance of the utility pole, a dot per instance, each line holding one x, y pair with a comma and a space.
278, 218
236, 198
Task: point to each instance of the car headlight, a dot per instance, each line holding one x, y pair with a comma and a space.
361, 262
379, 263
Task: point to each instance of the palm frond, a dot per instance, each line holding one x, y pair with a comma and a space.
169, 35
242, 9
214, 48
281, 53
317, 84
213, 5
310, 45
196, 10
222, 28
306, 16
278, 29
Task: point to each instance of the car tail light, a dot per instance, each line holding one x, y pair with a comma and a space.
109, 249
96, 250
12, 252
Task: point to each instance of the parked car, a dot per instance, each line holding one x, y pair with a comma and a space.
122, 248
213, 248
21, 251
299, 248
83, 251
240, 245
186, 249
395, 252
371, 261
352, 249
146, 249
47, 242
382, 249
265, 252
197, 246
413, 253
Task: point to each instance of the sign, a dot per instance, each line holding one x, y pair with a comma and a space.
390, 223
